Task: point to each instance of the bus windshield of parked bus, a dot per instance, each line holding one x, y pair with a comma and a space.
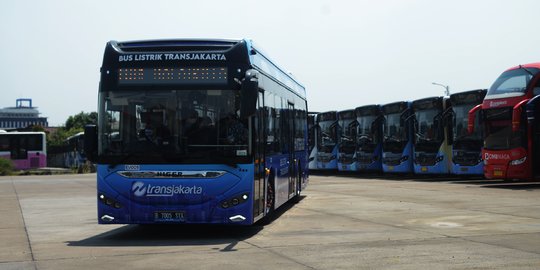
393, 128
365, 129
499, 134
328, 134
513, 82
461, 116
172, 125
347, 122
428, 129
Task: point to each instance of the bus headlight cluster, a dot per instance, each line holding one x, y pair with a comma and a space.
439, 159
109, 201
403, 159
518, 161
234, 201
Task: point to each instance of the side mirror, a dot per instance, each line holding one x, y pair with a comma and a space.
249, 93
472, 116
91, 142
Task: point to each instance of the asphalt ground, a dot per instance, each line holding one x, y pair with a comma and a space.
341, 222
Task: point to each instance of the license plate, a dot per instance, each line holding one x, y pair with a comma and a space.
168, 216
464, 169
390, 168
423, 169
497, 173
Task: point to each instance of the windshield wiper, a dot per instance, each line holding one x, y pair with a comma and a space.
527, 70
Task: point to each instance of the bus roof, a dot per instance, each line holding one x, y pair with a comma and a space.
259, 59
530, 65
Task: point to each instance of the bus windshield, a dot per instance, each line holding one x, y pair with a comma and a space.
348, 135
328, 134
428, 129
499, 134
393, 130
513, 82
461, 118
171, 125
365, 131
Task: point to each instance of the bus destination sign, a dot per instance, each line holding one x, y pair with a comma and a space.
172, 76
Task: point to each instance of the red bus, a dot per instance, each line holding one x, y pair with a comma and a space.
510, 144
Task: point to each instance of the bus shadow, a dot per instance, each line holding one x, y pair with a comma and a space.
180, 234
501, 183
530, 186
170, 235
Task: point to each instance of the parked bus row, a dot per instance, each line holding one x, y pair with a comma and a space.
425, 136
492, 132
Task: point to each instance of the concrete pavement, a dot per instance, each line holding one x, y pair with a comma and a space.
343, 222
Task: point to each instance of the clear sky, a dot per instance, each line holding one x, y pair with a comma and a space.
347, 53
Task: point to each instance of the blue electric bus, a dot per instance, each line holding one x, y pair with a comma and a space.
397, 153
196, 131
432, 152
369, 138
347, 124
327, 140
466, 148
312, 140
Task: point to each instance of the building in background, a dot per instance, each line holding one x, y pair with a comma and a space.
21, 116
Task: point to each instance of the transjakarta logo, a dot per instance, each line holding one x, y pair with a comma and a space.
141, 189
488, 156
171, 56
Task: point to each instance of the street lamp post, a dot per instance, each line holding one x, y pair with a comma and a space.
447, 91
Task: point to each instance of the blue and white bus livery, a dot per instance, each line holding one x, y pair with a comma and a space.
196, 131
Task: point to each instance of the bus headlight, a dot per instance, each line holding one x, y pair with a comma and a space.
439, 159
109, 201
518, 161
234, 201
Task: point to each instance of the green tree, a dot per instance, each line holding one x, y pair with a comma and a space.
80, 120
74, 124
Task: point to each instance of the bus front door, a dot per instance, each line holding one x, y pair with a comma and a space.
259, 187
290, 126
